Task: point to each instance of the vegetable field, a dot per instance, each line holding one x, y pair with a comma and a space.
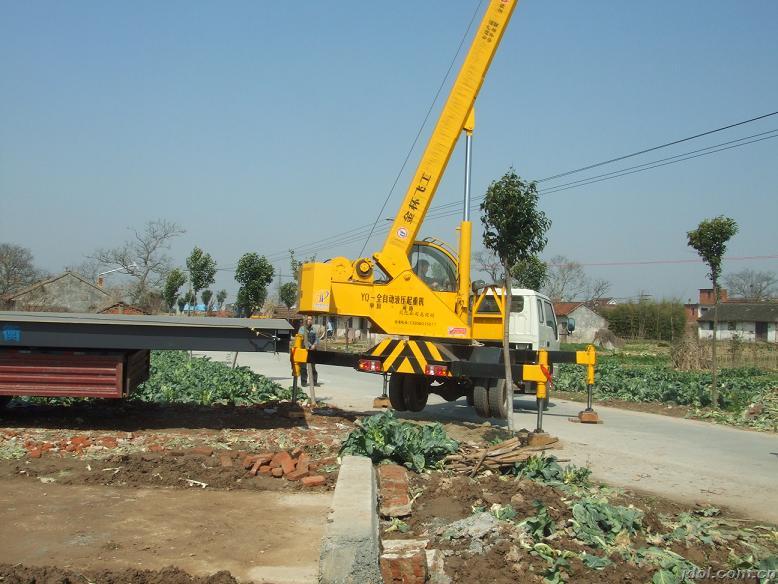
175, 377
749, 395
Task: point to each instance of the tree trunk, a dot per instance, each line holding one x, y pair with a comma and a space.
714, 390
508, 296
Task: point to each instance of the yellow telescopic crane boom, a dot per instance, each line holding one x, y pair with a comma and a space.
393, 258
401, 301
441, 337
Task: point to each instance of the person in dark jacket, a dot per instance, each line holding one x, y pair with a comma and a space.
310, 341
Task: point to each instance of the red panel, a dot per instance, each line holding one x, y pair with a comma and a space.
62, 375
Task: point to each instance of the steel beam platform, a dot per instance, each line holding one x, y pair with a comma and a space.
60, 330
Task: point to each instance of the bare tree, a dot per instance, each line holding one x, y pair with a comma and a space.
596, 289
488, 263
89, 269
17, 269
752, 285
565, 279
143, 257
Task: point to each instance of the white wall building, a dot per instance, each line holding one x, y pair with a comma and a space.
587, 321
747, 322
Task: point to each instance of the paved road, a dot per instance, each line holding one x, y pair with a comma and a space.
685, 460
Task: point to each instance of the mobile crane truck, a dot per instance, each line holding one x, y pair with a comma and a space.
444, 334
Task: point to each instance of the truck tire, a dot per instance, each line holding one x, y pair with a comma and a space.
497, 397
396, 392
4, 399
416, 392
481, 397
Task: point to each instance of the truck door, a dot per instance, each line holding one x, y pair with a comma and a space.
551, 326
547, 333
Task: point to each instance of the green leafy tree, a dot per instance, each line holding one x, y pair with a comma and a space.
288, 294
175, 279
710, 241
187, 297
647, 319
221, 296
202, 270
530, 273
253, 273
515, 231
207, 296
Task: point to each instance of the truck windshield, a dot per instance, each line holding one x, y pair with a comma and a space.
489, 305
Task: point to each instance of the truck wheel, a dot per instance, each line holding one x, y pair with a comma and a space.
481, 397
497, 398
4, 399
396, 397
416, 392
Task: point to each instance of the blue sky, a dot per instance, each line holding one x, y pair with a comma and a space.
262, 126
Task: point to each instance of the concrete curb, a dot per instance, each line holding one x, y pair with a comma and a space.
350, 546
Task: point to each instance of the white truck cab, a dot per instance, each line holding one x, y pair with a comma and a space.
533, 324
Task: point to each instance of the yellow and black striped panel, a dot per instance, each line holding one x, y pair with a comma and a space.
406, 356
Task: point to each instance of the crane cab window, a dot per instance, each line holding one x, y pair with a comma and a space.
434, 268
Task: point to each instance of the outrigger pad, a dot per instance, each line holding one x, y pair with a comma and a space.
587, 417
541, 439
382, 401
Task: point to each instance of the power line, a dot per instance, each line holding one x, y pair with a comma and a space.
625, 263
440, 212
556, 190
357, 233
669, 158
673, 143
661, 262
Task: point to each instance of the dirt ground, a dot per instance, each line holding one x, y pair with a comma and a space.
256, 536
141, 493
500, 558
16, 574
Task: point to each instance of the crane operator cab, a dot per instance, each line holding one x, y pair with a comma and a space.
434, 266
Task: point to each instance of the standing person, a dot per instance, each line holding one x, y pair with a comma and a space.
329, 328
310, 341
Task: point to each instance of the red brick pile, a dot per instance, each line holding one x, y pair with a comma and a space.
394, 491
74, 444
404, 561
293, 467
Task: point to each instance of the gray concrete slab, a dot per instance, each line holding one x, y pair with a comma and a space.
350, 546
